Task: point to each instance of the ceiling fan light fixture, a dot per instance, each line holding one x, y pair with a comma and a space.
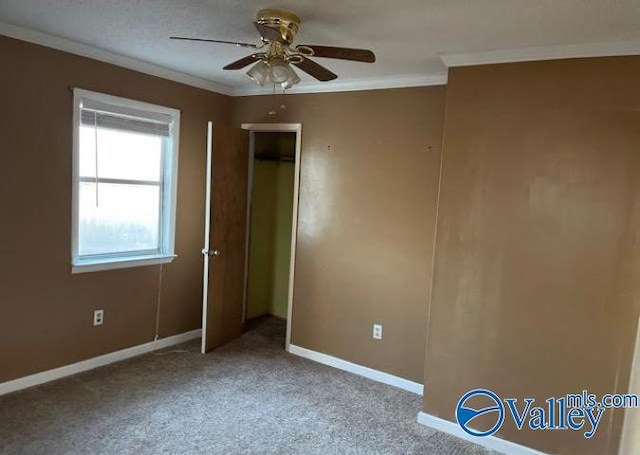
275, 54
292, 80
279, 71
259, 73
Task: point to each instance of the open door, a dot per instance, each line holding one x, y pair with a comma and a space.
225, 230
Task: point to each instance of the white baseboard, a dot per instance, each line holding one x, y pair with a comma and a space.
354, 368
90, 364
489, 442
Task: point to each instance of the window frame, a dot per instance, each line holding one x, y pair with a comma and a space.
167, 188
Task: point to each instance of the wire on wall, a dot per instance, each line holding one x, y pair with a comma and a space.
158, 303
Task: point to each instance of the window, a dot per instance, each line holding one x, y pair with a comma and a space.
125, 162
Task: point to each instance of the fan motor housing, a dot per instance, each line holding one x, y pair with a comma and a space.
286, 22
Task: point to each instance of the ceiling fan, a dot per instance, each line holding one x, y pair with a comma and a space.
274, 62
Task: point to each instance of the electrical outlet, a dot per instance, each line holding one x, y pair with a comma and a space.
377, 331
98, 317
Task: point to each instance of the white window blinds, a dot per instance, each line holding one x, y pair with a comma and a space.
102, 115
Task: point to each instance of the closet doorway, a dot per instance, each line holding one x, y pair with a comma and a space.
274, 168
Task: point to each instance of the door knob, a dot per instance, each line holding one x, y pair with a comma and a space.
211, 252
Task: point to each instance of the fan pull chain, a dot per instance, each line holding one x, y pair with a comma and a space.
273, 112
95, 137
283, 107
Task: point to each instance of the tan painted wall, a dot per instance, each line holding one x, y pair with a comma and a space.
366, 219
45, 312
536, 275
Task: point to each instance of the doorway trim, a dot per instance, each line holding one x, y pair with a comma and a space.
207, 231
275, 128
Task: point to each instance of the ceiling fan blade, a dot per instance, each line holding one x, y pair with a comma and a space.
343, 53
253, 46
245, 61
269, 33
318, 71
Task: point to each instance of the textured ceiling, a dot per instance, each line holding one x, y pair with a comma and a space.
407, 35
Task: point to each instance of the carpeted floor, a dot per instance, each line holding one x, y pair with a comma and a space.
249, 397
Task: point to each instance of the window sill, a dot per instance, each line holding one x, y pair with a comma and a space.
120, 263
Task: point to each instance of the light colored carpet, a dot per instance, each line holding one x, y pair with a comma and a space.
249, 397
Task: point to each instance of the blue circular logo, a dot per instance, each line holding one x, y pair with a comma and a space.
466, 414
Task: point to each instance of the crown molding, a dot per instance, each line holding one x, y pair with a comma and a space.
84, 50
526, 54
602, 49
350, 85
